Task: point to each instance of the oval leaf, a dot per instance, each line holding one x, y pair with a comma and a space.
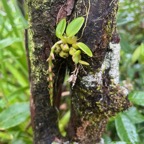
137, 97
74, 26
126, 130
14, 115
85, 48
60, 28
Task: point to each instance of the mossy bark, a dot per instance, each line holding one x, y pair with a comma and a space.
94, 99
42, 18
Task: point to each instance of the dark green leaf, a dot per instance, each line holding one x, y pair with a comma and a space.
85, 48
126, 129
60, 28
137, 97
74, 26
14, 115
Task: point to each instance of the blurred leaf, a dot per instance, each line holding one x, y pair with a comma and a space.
8, 41
137, 97
20, 15
107, 139
138, 54
20, 94
142, 49
16, 73
126, 129
125, 45
134, 115
85, 48
10, 16
18, 141
118, 142
141, 59
17, 92
60, 28
2, 103
74, 26
4, 136
13, 75
63, 122
14, 115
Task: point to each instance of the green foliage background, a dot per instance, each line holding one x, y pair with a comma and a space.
125, 128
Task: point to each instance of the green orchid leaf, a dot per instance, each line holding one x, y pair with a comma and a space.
83, 62
76, 57
85, 48
61, 28
74, 26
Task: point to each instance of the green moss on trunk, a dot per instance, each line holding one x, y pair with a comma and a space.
42, 21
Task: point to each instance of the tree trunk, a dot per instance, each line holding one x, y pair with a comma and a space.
96, 95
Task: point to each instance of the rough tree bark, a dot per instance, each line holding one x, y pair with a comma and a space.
96, 95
